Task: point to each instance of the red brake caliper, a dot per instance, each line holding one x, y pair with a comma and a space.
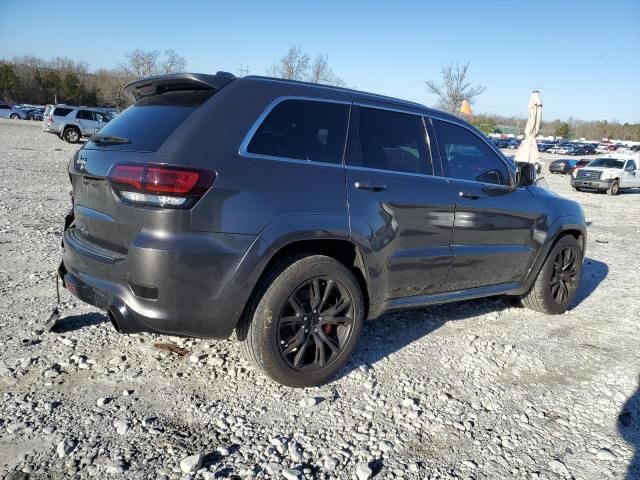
327, 328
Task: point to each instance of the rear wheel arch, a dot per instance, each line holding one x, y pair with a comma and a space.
342, 250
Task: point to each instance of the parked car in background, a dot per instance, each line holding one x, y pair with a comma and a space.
14, 113
562, 166
588, 148
544, 146
185, 229
611, 174
606, 148
513, 144
73, 123
560, 149
580, 164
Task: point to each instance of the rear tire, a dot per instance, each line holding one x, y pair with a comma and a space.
614, 188
71, 135
297, 337
558, 280
14, 116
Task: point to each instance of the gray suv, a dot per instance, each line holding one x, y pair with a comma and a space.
290, 212
72, 123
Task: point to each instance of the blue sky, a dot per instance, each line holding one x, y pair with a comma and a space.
584, 56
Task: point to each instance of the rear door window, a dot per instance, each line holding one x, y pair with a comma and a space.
303, 130
467, 157
151, 120
393, 141
84, 115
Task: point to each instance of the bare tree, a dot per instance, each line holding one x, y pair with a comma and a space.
320, 72
141, 64
454, 89
296, 65
173, 62
293, 66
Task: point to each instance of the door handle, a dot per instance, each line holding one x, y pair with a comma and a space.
371, 186
469, 195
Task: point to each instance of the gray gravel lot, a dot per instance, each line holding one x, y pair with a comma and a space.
475, 390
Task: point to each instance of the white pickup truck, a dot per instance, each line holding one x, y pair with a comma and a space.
610, 172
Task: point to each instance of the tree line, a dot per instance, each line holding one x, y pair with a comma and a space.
33, 80
569, 129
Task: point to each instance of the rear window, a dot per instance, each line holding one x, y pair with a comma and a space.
62, 112
151, 120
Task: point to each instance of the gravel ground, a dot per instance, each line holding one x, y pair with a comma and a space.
474, 390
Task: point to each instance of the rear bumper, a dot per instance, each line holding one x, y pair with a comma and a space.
591, 184
187, 285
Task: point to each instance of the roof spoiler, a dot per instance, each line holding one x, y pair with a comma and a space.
176, 82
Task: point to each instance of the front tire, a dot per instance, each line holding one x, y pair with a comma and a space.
614, 188
14, 116
557, 282
303, 321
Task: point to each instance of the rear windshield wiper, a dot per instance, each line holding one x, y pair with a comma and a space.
97, 138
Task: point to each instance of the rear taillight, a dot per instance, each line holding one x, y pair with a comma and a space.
50, 119
160, 185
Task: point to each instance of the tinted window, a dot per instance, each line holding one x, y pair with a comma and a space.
62, 112
5, 107
465, 156
101, 116
84, 115
303, 130
631, 165
151, 120
393, 141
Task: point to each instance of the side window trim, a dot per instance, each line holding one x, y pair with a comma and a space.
244, 145
355, 148
492, 147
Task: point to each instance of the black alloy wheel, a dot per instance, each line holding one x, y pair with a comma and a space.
315, 324
564, 279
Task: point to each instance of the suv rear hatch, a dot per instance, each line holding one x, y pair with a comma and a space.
116, 177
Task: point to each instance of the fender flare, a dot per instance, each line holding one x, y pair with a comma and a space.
558, 228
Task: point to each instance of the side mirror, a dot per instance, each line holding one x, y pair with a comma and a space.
525, 174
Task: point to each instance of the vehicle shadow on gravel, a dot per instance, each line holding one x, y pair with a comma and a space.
394, 331
629, 428
76, 322
593, 273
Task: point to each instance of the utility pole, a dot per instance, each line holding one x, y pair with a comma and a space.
243, 70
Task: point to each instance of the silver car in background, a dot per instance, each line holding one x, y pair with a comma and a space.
14, 113
72, 123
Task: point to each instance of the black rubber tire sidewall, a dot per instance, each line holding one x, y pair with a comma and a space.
262, 328
543, 300
614, 189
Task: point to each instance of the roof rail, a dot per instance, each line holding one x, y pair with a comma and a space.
178, 81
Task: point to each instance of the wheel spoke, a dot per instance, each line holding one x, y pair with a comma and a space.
320, 355
335, 321
330, 343
342, 304
285, 321
327, 291
296, 305
295, 342
564, 290
315, 293
298, 358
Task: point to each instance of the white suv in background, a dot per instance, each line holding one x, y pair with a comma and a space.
611, 173
73, 123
